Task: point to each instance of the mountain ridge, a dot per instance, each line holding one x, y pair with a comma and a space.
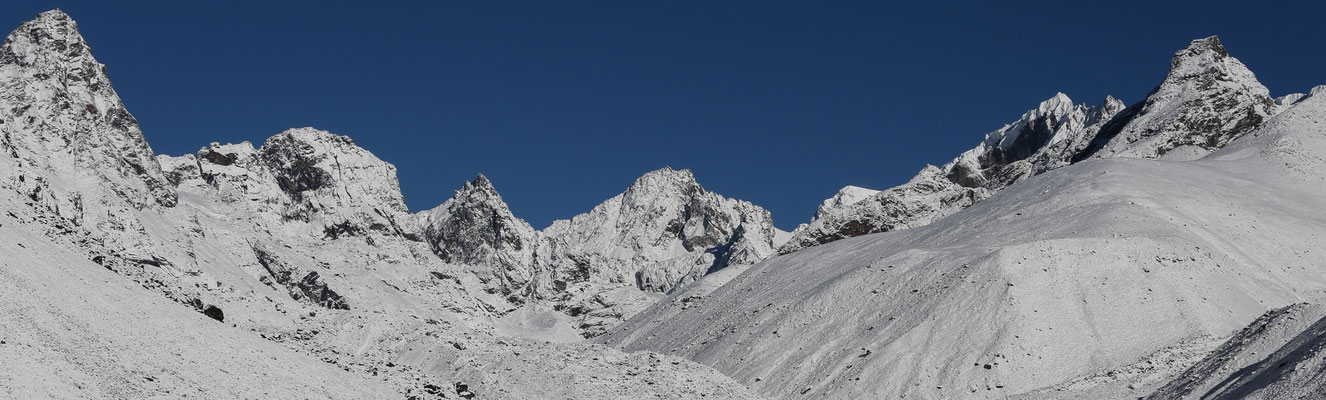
1207, 99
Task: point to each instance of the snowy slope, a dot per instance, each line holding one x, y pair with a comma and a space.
72, 329
1263, 360
1007, 298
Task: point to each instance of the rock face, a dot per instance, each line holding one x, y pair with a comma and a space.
305, 176
1207, 100
476, 228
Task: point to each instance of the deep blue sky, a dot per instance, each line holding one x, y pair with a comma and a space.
564, 104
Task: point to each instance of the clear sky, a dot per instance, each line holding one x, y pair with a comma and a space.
564, 103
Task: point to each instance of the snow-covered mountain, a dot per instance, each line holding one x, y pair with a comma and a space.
1104, 279
1168, 248
603, 266
1208, 99
300, 252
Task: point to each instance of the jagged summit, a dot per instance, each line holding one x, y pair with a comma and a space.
481, 181
1208, 99
62, 116
476, 228
1208, 48
52, 35
341, 173
666, 180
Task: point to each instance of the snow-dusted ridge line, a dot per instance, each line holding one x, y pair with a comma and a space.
1207, 99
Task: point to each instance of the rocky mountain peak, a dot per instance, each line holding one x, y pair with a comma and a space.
309, 159
846, 196
479, 191
51, 36
665, 181
476, 228
481, 182
479, 188
1208, 99
1058, 104
61, 115
1202, 51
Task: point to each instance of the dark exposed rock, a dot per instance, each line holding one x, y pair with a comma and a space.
310, 287
338, 230
215, 313
294, 163
215, 157
463, 391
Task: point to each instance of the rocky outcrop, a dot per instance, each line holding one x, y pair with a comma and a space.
302, 285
